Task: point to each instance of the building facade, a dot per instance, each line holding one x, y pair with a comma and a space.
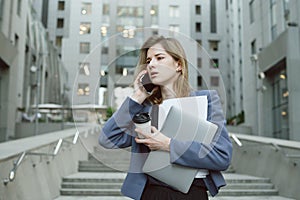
101, 50
271, 66
234, 55
31, 71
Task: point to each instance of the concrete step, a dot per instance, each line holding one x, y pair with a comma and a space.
249, 186
248, 192
97, 166
96, 179
232, 178
97, 169
95, 162
93, 184
101, 169
108, 184
90, 192
92, 177
102, 185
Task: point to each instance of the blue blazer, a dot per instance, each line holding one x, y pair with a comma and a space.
118, 132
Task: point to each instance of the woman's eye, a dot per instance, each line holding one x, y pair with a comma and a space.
159, 58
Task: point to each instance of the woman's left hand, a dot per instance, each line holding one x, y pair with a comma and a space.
155, 141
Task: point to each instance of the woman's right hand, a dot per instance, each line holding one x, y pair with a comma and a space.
139, 93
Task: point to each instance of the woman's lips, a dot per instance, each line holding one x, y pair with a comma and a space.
153, 74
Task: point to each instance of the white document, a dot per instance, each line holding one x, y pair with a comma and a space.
195, 105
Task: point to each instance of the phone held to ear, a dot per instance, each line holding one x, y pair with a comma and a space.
146, 82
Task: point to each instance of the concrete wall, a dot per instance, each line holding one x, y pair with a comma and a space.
280, 162
39, 177
28, 129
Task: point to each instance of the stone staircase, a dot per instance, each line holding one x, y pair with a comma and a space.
96, 180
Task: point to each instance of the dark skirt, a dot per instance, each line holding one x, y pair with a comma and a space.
160, 192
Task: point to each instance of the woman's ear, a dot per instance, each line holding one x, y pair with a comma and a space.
179, 67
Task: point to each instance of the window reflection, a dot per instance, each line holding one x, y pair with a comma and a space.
280, 105
85, 28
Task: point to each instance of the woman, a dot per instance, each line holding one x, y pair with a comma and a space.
165, 61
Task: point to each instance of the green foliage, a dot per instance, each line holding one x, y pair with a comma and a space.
237, 119
109, 112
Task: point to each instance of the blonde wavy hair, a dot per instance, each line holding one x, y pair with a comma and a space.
174, 49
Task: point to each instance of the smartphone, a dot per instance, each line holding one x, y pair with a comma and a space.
146, 82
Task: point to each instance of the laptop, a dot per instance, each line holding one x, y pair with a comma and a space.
185, 127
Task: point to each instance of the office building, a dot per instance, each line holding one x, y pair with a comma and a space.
271, 60
31, 71
104, 37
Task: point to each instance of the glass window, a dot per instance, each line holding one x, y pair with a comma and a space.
273, 19
84, 47
154, 16
85, 28
174, 11
199, 42
213, 45
83, 89
58, 41
251, 11
199, 81
280, 105
129, 31
61, 5
104, 30
214, 63
286, 10
105, 10
198, 27
198, 10
213, 17
125, 11
104, 50
214, 81
19, 7
84, 69
154, 10
60, 23
139, 12
121, 11
199, 62
253, 47
86, 8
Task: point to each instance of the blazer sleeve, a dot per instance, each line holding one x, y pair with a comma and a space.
118, 131
214, 156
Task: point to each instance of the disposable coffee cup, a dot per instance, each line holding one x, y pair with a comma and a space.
143, 122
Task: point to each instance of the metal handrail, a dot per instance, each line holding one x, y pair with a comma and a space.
277, 148
13, 171
236, 140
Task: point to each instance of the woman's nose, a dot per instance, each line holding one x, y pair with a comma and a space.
151, 63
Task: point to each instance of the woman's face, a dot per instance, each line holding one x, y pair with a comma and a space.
161, 66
